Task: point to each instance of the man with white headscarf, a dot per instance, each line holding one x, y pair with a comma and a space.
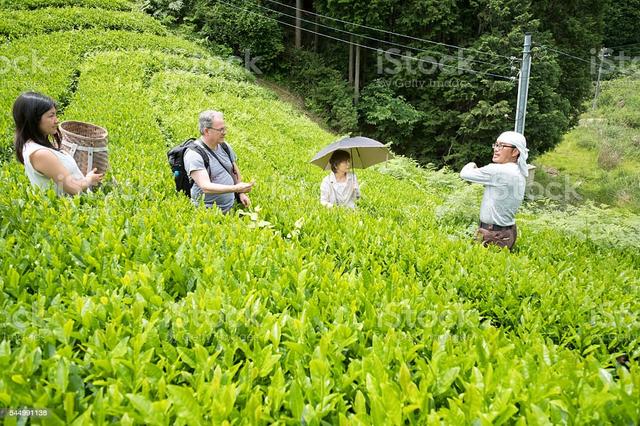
504, 183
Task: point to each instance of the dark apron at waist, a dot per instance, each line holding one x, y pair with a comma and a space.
491, 227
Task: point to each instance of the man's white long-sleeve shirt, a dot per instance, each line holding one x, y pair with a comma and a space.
504, 188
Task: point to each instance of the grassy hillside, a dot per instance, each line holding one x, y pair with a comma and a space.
129, 306
601, 157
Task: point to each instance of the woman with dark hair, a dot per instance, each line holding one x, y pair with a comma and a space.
37, 144
340, 187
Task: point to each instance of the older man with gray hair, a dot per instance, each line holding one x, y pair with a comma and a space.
504, 184
220, 184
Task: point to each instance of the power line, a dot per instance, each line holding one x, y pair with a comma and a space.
367, 37
511, 58
565, 54
613, 67
624, 45
369, 47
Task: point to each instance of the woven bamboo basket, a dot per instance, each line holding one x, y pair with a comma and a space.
87, 144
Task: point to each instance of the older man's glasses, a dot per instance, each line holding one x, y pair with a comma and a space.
498, 146
220, 130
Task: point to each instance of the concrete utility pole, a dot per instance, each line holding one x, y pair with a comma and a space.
298, 24
523, 86
603, 53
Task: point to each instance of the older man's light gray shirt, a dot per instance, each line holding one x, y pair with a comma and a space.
218, 174
504, 188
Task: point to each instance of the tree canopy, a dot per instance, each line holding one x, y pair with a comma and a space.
438, 79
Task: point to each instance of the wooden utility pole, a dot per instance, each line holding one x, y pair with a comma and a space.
351, 61
298, 24
603, 53
316, 30
356, 77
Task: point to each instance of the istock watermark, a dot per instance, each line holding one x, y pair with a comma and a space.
421, 84
394, 61
21, 323
606, 62
24, 64
404, 315
249, 62
562, 191
221, 63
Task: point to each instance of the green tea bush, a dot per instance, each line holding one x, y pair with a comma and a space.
49, 62
591, 223
435, 183
270, 119
126, 5
461, 207
16, 24
129, 306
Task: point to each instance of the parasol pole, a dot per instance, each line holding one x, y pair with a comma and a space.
353, 162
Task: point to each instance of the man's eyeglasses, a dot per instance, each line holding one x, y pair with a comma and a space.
499, 146
221, 129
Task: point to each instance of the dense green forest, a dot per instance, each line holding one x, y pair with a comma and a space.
438, 80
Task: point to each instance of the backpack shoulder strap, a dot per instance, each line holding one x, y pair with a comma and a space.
230, 171
205, 158
226, 148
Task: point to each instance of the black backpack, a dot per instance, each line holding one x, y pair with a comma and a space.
176, 161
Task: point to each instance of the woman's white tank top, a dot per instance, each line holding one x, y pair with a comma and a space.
38, 179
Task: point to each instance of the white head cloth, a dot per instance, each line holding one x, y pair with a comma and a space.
520, 142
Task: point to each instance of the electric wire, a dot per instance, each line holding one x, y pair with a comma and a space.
511, 58
368, 37
510, 78
564, 53
624, 45
614, 68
